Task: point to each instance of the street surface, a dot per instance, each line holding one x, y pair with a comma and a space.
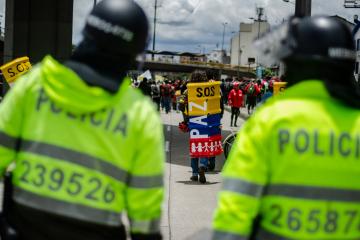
189, 206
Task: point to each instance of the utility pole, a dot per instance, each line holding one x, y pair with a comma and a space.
239, 56
223, 37
260, 13
94, 3
302, 8
154, 33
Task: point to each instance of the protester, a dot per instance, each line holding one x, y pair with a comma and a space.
145, 87
155, 94
252, 90
236, 101
166, 93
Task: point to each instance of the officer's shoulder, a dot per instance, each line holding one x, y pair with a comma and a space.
138, 100
279, 108
29, 80
271, 109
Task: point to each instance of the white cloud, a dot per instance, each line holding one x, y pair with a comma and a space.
186, 24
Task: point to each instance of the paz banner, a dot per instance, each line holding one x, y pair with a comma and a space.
204, 119
208, 147
206, 125
203, 98
14, 69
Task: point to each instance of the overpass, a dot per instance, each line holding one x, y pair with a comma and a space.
157, 66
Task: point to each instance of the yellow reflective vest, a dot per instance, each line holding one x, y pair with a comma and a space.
81, 152
295, 166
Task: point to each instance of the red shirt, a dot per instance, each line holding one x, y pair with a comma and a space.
236, 98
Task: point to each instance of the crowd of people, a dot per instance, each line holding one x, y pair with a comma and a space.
253, 92
165, 94
236, 93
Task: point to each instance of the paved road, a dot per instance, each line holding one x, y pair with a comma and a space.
188, 207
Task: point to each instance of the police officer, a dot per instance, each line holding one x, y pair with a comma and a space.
293, 172
88, 148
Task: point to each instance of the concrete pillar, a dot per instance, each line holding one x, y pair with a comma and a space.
303, 8
35, 28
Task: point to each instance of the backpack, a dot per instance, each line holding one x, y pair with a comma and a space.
155, 91
251, 89
166, 90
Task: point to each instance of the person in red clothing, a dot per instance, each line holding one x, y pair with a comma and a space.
252, 90
235, 100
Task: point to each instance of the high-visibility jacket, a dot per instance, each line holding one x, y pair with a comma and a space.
295, 166
81, 152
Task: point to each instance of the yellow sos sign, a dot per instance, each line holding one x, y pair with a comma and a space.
279, 88
14, 69
203, 98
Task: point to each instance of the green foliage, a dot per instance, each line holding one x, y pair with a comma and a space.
267, 72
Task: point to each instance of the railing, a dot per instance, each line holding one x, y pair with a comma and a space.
208, 64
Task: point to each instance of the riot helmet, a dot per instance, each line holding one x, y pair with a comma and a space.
312, 48
118, 27
114, 35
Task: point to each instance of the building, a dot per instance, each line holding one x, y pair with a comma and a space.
163, 56
189, 58
242, 51
175, 57
218, 56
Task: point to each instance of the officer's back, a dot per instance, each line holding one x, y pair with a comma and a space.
293, 172
88, 148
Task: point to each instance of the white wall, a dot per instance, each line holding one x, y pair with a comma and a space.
248, 32
217, 56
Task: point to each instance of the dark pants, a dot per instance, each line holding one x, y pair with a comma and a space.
234, 114
251, 102
167, 103
207, 162
157, 102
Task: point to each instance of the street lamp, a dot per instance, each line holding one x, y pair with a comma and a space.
154, 30
223, 37
302, 7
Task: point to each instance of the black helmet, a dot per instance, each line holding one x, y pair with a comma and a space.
118, 27
315, 48
312, 47
324, 39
